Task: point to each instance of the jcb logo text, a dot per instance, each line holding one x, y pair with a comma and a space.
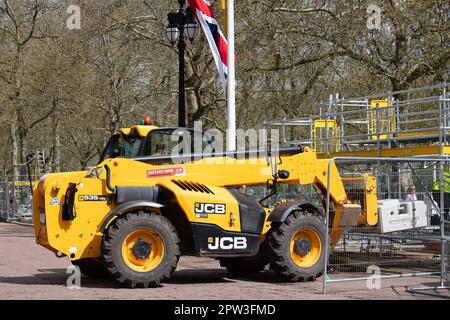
213, 208
227, 243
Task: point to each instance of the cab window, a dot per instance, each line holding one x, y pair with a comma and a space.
161, 143
122, 146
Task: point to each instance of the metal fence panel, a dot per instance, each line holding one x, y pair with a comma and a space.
15, 202
410, 235
5, 207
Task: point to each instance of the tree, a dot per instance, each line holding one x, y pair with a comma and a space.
411, 42
19, 28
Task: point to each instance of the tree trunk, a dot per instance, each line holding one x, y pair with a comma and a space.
14, 151
192, 108
398, 85
56, 155
19, 124
15, 168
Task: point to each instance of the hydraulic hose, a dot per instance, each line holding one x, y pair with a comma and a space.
108, 179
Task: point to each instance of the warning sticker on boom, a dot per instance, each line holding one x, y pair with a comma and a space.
167, 172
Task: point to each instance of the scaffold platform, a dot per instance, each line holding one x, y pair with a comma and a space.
414, 122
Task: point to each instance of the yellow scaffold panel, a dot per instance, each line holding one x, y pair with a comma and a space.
321, 136
24, 183
382, 119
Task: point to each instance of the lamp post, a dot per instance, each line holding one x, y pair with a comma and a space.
181, 23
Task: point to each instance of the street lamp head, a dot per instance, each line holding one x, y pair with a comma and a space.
191, 27
172, 31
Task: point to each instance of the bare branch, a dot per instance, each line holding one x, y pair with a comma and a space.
304, 11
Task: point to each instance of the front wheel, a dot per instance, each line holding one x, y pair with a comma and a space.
141, 249
297, 247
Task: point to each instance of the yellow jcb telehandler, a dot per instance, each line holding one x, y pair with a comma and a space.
134, 214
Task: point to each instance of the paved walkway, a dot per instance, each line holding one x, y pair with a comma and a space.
28, 271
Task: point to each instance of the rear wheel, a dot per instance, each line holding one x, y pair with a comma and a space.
91, 268
247, 265
141, 249
297, 247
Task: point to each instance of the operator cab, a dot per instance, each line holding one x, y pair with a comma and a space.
127, 143
146, 140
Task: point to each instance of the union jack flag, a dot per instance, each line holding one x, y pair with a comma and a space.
202, 10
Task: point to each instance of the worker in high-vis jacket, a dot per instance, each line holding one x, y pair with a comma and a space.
437, 194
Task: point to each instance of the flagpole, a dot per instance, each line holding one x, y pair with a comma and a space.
231, 83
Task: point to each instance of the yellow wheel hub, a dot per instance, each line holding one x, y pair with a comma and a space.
306, 247
143, 250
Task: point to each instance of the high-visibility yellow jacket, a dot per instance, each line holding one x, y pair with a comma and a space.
437, 183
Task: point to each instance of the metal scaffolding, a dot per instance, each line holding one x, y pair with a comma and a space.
16, 190
395, 124
397, 135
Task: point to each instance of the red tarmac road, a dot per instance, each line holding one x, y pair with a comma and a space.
28, 271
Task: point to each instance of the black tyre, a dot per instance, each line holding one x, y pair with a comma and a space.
247, 265
297, 247
91, 268
141, 249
